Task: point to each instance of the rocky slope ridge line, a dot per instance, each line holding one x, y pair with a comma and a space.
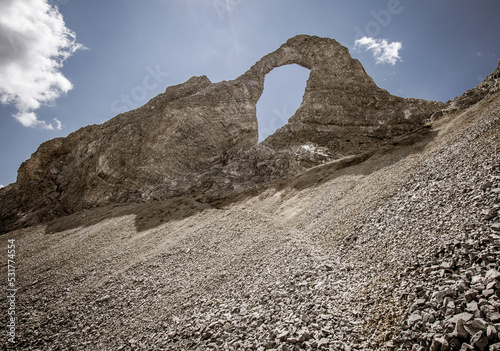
200, 138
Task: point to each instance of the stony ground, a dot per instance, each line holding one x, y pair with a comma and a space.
400, 252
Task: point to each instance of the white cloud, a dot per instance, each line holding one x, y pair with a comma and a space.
382, 50
58, 124
34, 43
29, 119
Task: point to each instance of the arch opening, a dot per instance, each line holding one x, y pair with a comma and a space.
284, 89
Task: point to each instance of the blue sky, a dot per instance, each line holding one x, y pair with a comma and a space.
69, 63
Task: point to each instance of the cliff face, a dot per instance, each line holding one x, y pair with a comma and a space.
200, 138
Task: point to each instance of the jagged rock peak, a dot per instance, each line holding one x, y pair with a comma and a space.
200, 138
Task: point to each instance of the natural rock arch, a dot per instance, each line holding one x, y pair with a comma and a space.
201, 138
343, 109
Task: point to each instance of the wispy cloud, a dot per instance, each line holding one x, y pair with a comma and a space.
34, 43
383, 52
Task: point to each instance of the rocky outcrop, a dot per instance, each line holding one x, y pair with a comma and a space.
156, 151
200, 138
488, 86
342, 110
343, 113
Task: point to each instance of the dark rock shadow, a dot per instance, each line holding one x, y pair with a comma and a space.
147, 215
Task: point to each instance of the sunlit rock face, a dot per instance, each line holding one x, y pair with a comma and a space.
200, 138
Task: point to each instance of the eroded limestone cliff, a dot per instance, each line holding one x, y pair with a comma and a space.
200, 138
